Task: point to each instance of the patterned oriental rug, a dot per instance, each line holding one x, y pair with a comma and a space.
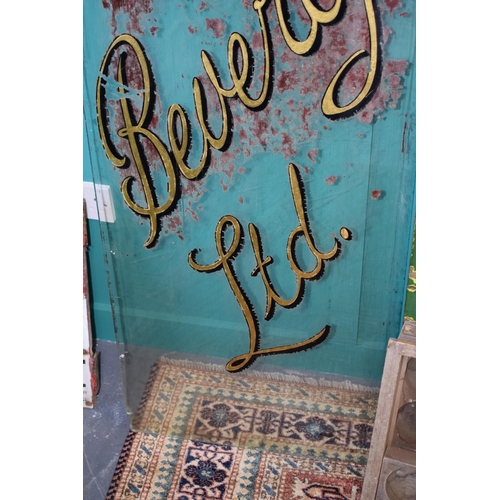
205, 434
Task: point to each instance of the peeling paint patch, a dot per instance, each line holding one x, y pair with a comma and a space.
313, 155
218, 27
191, 212
287, 146
392, 5
174, 222
257, 42
287, 124
134, 8
191, 192
340, 41
388, 92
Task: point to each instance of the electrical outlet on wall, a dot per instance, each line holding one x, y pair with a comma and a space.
99, 202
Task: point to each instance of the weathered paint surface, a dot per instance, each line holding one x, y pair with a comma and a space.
266, 128
356, 172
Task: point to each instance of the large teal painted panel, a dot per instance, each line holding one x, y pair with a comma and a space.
355, 171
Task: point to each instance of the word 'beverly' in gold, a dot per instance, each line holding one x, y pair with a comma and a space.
136, 131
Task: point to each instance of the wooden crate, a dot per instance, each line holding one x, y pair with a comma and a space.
390, 455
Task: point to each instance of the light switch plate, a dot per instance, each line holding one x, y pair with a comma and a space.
99, 202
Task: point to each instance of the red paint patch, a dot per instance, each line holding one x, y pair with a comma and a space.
191, 212
224, 187
302, 13
376, 194
240, 199
349, 35
286, 146
192, 29
305, 114
394, 66
260, 125
134, 8
191, 192
226, 164
404, 14
174, 222
242, 170
153, 30
218, 27
203, 6
257, 42
392, 5
388, 92
331, 180
313, 154
287, 80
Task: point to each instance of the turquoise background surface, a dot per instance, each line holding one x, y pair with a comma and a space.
358, 172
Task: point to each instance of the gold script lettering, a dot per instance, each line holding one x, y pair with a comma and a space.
176, 119
240, 79
178, 127
301, 230
317, 17
223, 262
328, 104
131, 131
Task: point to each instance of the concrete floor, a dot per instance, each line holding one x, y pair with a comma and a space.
105, 426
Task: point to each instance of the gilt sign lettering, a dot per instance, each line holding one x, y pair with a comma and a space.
126, 52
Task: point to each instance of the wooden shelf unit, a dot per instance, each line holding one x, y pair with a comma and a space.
388, 451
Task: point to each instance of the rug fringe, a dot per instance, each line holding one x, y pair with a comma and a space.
343, 385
